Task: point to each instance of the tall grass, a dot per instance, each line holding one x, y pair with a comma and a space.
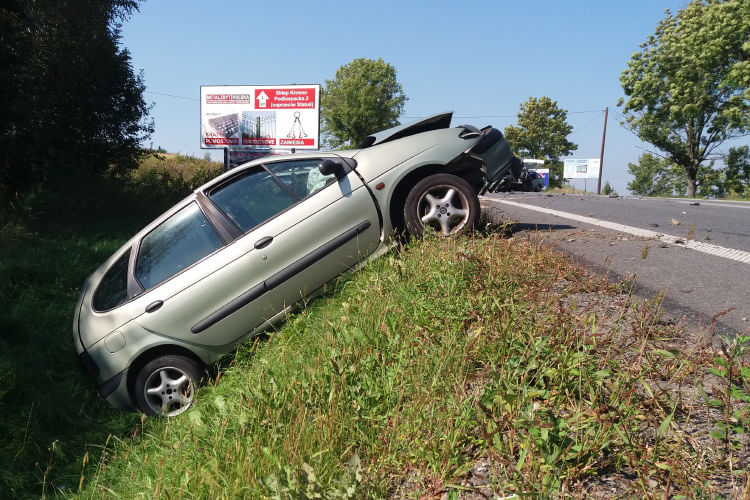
422, 364
50, 240
395, 383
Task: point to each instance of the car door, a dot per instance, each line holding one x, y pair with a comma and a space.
296, 229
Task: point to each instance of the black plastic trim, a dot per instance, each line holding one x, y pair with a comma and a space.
225, 227
317, 254
280, 277
230, 308
89, 365
111, 385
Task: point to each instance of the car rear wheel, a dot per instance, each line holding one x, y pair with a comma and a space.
166, 385
444, 202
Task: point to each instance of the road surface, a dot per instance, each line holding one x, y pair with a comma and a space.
698, 252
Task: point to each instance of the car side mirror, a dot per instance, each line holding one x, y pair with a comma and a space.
332, 167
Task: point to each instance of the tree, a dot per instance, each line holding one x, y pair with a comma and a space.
608, 190
542, 132
363, 98
656, 176
71, 103
737, 176
687, 89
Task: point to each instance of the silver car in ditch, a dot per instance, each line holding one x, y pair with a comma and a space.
235, 256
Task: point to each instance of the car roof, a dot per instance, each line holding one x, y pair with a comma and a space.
434, 122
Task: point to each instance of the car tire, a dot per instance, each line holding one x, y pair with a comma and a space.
443, 201
166, 385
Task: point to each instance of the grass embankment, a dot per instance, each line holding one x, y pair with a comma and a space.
484, 363
447, 354
50, 240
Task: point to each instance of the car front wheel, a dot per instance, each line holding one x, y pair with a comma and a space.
166, 385
444, 202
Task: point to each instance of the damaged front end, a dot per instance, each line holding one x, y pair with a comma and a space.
500, 165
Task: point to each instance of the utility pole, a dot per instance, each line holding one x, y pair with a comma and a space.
601, 157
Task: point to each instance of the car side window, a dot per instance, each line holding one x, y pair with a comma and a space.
113, 288
260, 194
176, 244
301, 176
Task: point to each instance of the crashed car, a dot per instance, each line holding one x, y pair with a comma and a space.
234, 257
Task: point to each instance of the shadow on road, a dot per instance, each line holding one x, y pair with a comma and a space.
514, 228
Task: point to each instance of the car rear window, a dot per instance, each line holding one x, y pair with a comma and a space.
113, 288
176, 244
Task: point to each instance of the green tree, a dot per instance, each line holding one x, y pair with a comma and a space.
71, 103
687, 89
542, 132
654, 176
737, 176
608, 190
363, 98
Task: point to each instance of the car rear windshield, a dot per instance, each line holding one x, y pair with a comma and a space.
176, 244
113, 289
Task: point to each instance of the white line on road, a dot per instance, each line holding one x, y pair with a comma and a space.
711, 249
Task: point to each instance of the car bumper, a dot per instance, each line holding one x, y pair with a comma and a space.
115, 391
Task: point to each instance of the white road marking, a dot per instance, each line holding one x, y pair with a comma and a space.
708, 248
717, 203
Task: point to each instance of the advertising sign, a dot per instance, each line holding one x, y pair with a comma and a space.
581, 169
239, 156
544, 174
268, 116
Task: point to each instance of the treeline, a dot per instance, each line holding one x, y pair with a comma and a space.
654, 176
70, 101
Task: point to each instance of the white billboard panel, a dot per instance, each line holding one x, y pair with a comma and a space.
248, 116
581, 169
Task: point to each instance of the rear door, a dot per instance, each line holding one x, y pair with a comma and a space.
296, 230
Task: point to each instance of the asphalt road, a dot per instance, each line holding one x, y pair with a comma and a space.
698, 251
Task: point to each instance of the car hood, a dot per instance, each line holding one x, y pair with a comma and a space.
434, 122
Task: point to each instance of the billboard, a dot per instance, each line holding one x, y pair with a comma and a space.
267, 116
239, 156
581, 169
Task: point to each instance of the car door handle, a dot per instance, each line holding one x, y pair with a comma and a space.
263, 242
154, 306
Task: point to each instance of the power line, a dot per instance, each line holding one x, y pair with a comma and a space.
502, 116
407, 117
173, 95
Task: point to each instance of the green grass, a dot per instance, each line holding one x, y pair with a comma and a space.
444, 353
424, 362
50, 240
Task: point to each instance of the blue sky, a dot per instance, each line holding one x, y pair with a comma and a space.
478, 59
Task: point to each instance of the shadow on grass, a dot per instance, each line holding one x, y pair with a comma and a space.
50, 415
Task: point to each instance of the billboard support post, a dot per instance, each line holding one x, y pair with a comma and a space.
226, 159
